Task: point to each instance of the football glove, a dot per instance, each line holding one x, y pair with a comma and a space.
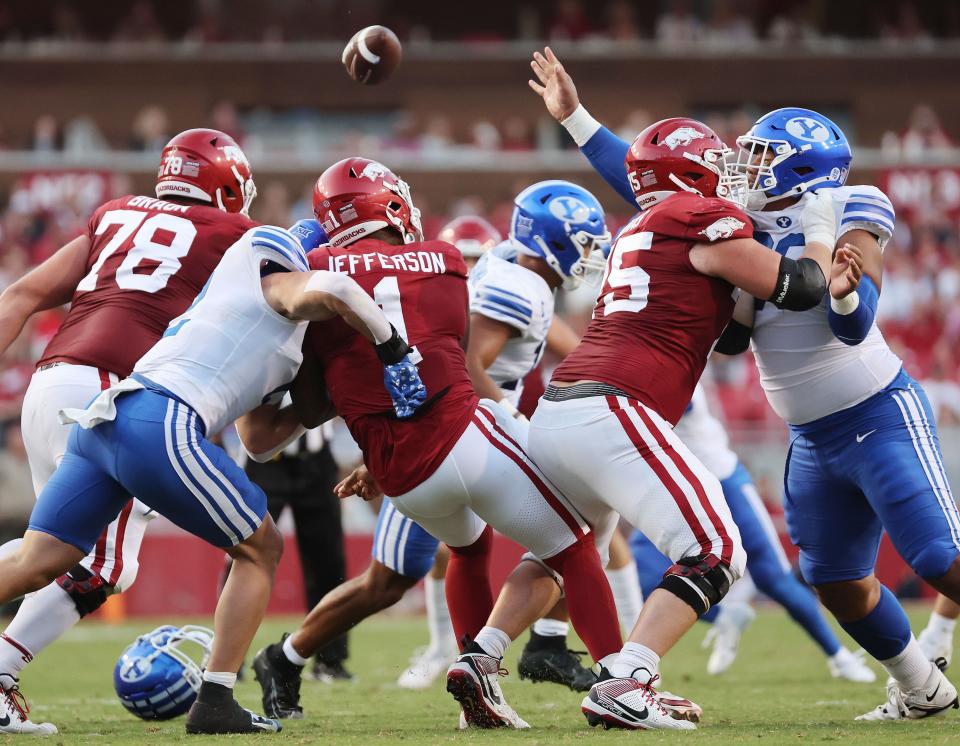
402, 381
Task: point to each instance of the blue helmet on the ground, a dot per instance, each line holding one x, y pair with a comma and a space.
561, 223
790, 151
155, 679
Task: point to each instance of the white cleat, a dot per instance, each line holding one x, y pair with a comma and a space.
425, 666
630, 704
725, 634
472, 680
934, 698
680, 708
851, 667
14, 715
938, 648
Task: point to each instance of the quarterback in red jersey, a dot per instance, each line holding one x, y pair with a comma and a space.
140, 263
456, 467
603, 430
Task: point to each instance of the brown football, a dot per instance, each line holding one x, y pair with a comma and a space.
372, 55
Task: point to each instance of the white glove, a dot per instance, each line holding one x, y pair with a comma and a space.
514, 412
819, 220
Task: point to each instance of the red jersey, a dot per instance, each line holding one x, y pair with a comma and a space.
422, 288
657, 318
148, 260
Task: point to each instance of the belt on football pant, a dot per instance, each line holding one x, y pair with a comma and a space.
581, 391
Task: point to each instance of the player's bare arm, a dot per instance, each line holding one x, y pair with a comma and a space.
50, 285
869, 247
561, 338
359, 482
487, 338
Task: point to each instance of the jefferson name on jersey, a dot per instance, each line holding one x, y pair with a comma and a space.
408, 261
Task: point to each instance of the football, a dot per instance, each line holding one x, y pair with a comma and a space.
372, 55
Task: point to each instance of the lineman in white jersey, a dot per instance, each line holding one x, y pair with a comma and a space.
864, 455
237, 345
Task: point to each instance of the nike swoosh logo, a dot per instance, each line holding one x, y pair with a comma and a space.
931, 696
861, 438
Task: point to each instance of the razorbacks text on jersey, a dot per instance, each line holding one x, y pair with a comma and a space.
797, 353
423, 292
148, 260
502, 290
655, 309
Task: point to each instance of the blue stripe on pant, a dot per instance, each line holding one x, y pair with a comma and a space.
402, 544
766, 562
154, 448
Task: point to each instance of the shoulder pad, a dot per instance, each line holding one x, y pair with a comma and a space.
278, 245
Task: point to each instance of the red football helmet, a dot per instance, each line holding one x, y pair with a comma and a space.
207, 165
356, 197
473, 235
677, 154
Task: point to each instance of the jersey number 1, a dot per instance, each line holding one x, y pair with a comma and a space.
386, 294
144, 246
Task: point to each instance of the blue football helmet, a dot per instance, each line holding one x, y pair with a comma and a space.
788, 152
563, 224
155, 679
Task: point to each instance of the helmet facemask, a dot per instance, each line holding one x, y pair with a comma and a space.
402, 190
755, 163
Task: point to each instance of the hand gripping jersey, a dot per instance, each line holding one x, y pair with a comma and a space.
806, 372
423, 291
230, 349
657, 317
148, 260
502, 290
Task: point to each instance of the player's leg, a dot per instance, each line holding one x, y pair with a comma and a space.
621, 571
937, 637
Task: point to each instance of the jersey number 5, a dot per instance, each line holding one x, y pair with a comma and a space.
386, 294
625, 285
144, 246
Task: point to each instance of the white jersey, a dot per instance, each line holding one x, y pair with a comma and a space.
706, 436
230, 349
504, 291
806, 372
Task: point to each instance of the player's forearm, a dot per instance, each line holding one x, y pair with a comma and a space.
268, 429
605, 151
15, 308
483, 384
330, 292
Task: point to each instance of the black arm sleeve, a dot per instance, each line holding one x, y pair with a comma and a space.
734, 340
800, 285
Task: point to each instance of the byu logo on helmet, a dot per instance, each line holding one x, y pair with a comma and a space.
134, 669
682, 136
569, 209
807, 128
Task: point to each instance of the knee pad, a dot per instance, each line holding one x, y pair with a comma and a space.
700, 581
87, 591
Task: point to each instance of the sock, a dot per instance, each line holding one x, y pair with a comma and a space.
42, 618
589, 599
291, 654
636, 660
941, 626
910, 668
438, 615
551, 628
492, 641
469, 596
885, 631
227, 680
625, 584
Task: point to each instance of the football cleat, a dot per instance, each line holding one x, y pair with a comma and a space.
851, 667
628, 703
425, 666
934, 698
330, 673
680, 708
555, 663
15, 713
938, 648
725, 634
279, 681
472, 680
218, 713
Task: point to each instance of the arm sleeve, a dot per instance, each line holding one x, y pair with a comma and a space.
867, 208
853, 328
606, 153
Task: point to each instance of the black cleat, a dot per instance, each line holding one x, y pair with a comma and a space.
549, 659
216, 712
279, 681
330, 673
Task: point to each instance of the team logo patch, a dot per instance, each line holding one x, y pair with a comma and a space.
373, 171
648, 178
569, 209
682, 136
784, 222
723, 228
348, 213
190, 168
135, 669
808, 129
834, 174
233, 153
524, 226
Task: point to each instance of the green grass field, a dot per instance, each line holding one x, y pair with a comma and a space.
778, 691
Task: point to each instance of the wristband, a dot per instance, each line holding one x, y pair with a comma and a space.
847, 305
580, 125
394, 349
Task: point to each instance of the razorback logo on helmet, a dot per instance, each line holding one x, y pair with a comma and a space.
682, 136
233, 153
723, 228
374, 171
